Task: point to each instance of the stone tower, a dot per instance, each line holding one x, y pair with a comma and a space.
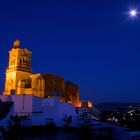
18, 67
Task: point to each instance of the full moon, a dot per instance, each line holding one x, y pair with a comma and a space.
133, 13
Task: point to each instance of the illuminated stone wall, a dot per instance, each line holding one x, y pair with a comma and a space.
47, 85
72, 92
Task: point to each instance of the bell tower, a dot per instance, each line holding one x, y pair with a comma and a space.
18, 67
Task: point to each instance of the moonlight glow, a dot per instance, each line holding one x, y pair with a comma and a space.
133, 12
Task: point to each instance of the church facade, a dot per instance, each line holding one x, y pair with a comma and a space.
21, 80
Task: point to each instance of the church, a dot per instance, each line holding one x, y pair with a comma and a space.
21, 81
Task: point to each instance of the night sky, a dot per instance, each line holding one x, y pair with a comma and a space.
93, 43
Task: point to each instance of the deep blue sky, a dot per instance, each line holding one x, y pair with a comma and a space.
90, 42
